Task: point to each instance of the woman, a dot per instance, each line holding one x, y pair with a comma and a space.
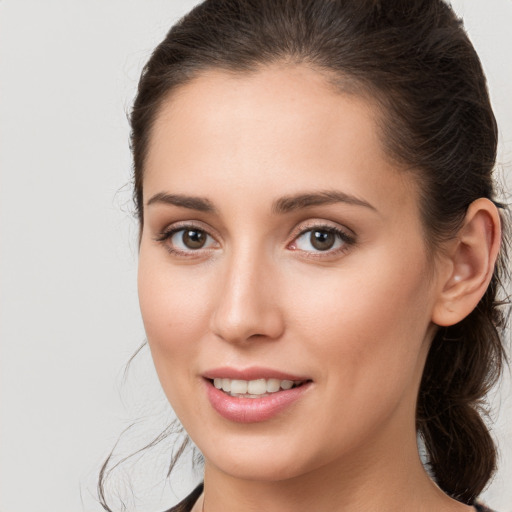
320, 252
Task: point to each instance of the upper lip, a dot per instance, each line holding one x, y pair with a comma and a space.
251, 373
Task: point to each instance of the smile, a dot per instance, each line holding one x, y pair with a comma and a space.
253, 395
254, 388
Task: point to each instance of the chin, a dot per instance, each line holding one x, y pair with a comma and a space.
259, 468
265, 461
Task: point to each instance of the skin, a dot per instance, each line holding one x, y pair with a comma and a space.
357, 320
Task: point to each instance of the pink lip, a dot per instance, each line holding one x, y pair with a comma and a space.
252, 410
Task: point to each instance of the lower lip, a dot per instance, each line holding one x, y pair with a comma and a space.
252, 410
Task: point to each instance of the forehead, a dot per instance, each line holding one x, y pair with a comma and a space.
286, 127
273, 104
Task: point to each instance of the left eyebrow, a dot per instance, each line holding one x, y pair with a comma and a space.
287, 204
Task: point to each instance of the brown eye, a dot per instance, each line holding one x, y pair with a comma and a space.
193, 238
188, 240
322, 240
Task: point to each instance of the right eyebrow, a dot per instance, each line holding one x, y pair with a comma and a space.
193, 203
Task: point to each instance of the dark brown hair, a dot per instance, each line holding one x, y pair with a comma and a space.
415, 59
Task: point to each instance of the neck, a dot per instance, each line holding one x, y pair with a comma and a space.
375, 479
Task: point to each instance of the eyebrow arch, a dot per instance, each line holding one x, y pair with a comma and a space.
194, 203
290, 203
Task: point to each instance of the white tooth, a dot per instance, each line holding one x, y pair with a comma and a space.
226, 385
273, 385
286, 384
217, 383
239, 387
257, 387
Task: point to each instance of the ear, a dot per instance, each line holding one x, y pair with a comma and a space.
469, 264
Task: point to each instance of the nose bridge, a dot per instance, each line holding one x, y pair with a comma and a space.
246, 300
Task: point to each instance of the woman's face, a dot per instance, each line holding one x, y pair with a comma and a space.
280, 244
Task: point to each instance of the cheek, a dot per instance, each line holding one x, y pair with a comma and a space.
365, 334
369, 319
172, 299
172, 305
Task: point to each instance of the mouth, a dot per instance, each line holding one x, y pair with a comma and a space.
255, 394
258, 388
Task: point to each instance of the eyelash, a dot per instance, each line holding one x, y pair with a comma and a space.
347, 240
167, 234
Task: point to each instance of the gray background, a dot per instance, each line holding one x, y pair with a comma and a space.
69, 312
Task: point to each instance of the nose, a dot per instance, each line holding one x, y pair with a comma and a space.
247, 306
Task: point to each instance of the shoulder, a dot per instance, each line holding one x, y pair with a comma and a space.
187, 504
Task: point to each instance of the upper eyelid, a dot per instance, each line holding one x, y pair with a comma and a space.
195, 224
345, 237
306, 226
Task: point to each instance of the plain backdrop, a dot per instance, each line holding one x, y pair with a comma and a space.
69, 312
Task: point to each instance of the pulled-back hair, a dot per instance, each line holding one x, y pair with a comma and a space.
414, 59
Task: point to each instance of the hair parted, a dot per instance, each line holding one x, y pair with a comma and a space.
414, 59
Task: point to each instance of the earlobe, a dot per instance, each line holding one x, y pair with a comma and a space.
470, 261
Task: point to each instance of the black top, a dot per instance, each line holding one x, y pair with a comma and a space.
187, 504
